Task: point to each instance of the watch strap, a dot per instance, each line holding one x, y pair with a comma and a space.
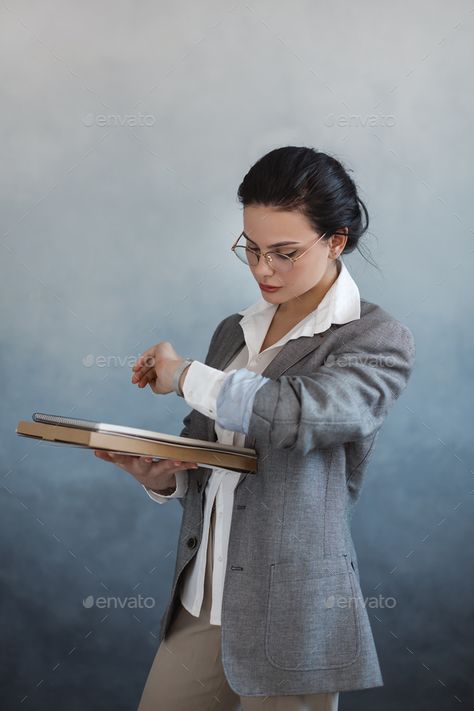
177, 375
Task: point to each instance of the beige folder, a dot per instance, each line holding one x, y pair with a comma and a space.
56, 429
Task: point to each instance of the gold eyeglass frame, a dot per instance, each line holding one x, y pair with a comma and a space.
268, 259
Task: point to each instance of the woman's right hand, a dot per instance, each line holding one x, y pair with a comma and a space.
157, 476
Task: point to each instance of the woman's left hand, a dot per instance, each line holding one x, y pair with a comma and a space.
155, 367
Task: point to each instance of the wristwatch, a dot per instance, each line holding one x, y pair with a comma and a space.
177, 375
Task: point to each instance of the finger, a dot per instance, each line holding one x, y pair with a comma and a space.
102, 455
186, 465
122, 460
145, 363
146, 358
143, 358
138, 377
125, 459
149, 377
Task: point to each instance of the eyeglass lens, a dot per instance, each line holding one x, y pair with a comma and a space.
279, 262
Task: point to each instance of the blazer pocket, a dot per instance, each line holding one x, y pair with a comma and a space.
313, 620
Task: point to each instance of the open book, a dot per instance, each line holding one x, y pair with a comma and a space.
55, 429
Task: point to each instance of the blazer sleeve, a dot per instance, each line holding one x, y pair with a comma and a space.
226, 397
345, 399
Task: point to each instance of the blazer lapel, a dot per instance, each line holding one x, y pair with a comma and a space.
233, 341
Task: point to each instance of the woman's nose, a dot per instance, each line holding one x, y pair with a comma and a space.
263, 268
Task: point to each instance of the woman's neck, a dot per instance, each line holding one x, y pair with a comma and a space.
296, 309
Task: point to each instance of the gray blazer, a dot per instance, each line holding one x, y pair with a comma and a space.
293, 616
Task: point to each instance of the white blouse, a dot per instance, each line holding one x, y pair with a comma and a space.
202, 384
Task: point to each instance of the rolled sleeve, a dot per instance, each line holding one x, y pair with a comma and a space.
236, 397
226, 397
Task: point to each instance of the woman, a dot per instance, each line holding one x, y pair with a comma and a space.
266, 607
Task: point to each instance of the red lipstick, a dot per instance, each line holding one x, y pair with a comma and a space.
264, 287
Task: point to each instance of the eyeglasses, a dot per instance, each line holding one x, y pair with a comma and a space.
276, 261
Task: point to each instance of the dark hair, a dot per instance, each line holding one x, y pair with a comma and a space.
313, 183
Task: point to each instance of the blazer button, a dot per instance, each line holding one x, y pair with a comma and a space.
199, 485
192, 542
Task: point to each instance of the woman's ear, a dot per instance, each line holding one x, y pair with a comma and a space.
337, 242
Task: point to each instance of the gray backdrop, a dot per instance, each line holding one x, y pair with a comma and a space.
126, 130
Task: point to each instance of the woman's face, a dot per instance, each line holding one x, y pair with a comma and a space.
311, 276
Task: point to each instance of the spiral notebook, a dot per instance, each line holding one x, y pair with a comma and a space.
76, 432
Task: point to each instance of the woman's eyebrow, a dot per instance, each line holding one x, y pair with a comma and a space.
277, 244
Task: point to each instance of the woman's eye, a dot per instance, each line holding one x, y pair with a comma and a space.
278, 254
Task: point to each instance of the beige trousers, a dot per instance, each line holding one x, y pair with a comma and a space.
187, 672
